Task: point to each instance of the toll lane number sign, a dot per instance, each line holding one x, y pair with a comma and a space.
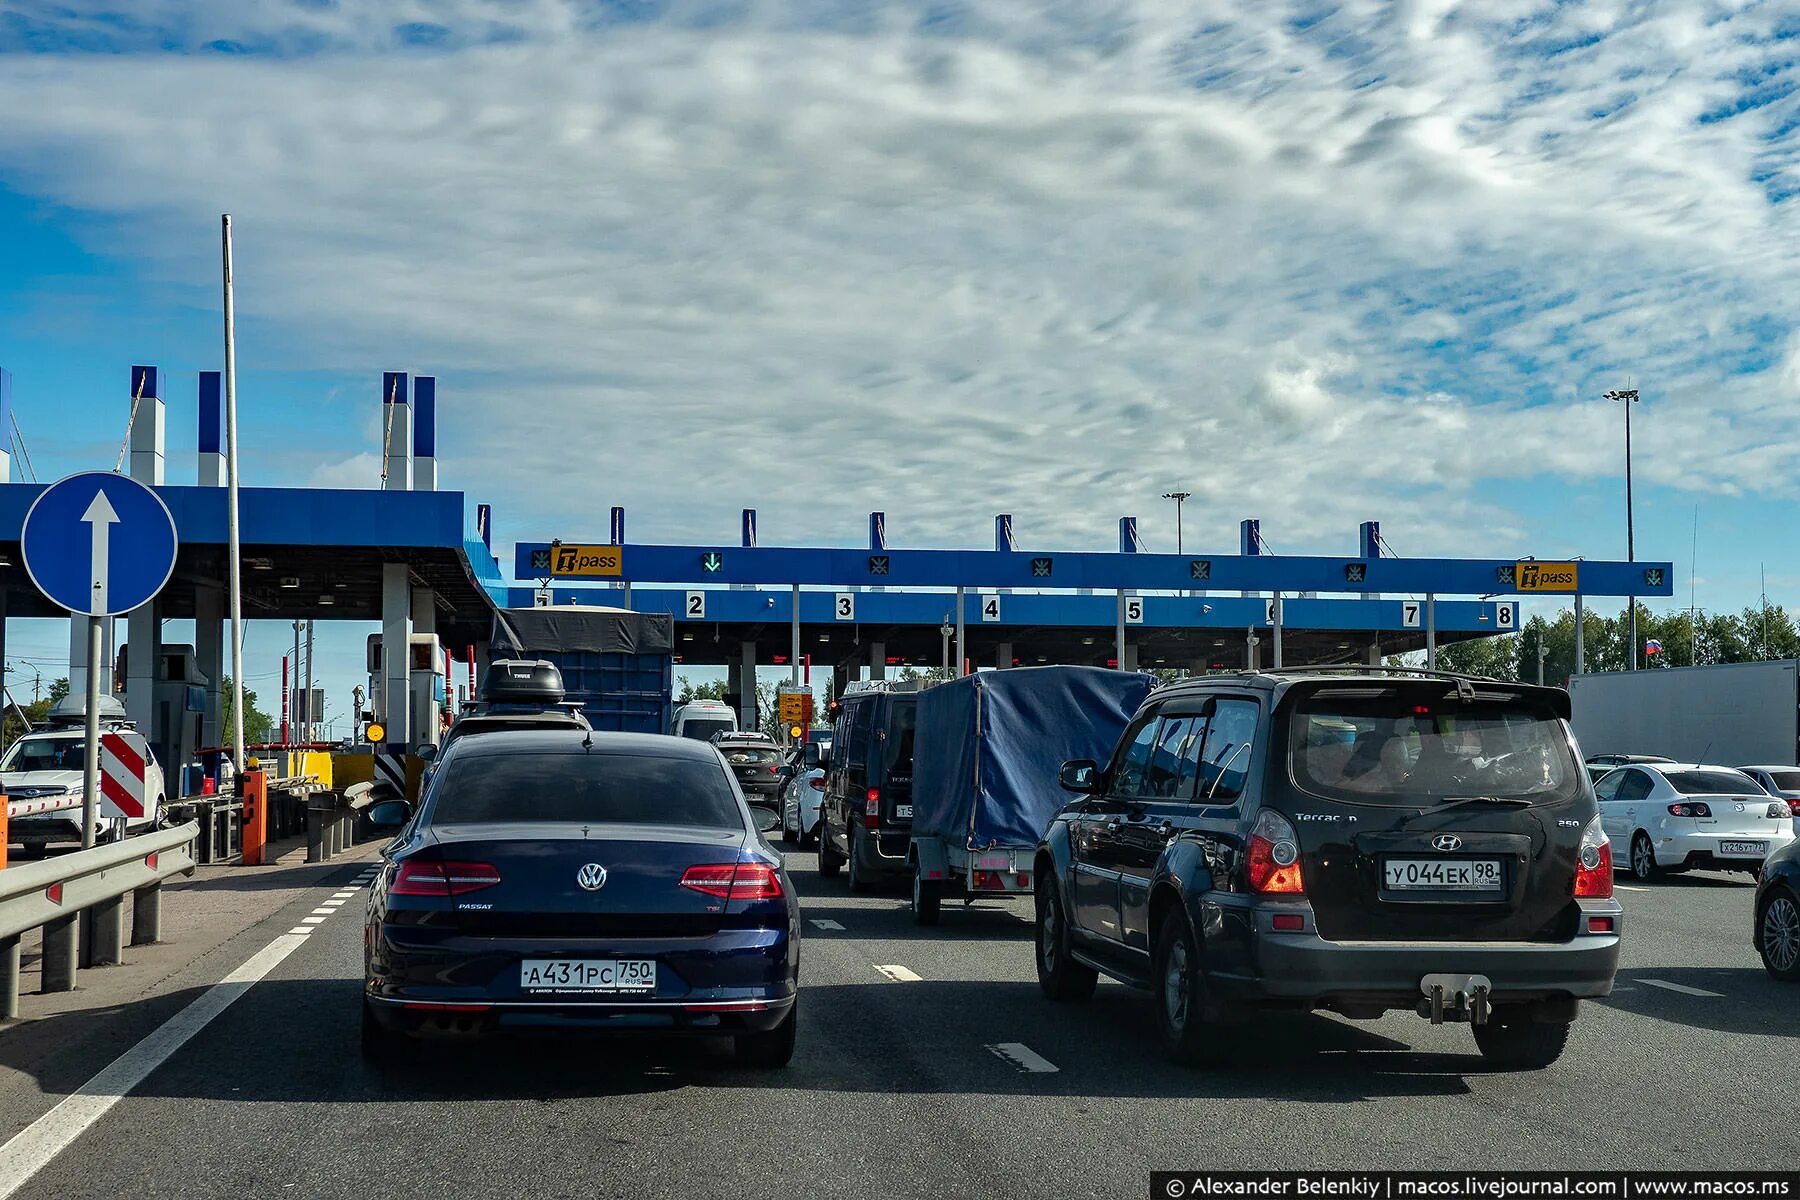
990, 608
843, 607
1134, 610
1503, 616
695, 608
1409, 614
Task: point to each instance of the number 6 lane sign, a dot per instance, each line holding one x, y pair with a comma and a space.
1409, 614
990, 608
843, 606
695, 607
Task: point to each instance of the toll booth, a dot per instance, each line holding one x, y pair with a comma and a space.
179, 702
428, 687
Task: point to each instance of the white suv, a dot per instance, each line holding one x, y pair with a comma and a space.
42, 776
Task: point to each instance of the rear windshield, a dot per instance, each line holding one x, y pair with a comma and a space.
1406, 748
1787, 781
902, 720
586, 787
1712, 783
703, 729
760, 756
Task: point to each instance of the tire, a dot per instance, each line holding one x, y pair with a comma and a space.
770, 1050
1520, 1043
1778, 935
378, 1045
1059, 975
788, 836
857, 880
808, 840
1180, 995
1643, 858
927, 898
830, 862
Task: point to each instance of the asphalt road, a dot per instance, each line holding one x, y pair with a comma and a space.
895, 1089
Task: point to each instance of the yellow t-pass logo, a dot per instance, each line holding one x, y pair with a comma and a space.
1547, 576
586, 560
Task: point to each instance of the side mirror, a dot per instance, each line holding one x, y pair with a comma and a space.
389, 814
1080, 775
427, 753
810, 756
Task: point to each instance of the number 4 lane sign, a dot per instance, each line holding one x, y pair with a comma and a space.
990, 608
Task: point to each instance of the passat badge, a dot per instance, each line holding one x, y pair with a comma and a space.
591, 877
1443, 841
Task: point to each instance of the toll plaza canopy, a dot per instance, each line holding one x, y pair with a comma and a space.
307, 553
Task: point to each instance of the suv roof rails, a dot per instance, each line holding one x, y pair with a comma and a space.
1366, 669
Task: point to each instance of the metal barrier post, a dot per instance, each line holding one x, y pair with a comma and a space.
108, 931
9, 979
315, 835
4, 815
146, 915
253, 792
59, 954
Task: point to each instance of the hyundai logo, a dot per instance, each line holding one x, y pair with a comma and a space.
591, 877
1446, 842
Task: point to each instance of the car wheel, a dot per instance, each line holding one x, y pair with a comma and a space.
858, 881
788, 834
809, 840
1059, 975
1519, 1043
829, 859
1178, 983
1778, 935
927, 897
1643, 859
771, 1049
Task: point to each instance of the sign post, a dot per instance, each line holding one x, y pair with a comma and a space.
99, 545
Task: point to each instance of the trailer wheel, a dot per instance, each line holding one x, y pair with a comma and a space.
927, 897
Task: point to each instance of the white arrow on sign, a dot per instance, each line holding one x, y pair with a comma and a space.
102, 518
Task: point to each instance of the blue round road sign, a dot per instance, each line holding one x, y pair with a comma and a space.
99, 544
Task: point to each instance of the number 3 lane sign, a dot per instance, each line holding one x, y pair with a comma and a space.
844, 606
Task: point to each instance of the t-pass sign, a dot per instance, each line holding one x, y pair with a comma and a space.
586, 560
1546, 576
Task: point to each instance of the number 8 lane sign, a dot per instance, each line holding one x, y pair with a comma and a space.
121, 775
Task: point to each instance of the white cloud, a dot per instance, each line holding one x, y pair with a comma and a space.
1042, 258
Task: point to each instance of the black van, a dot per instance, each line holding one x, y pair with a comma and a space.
867, 817
1352, 840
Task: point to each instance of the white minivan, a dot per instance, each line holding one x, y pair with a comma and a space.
701, 719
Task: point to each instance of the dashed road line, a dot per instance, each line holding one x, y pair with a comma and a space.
1683, 988
1024, 1058
312, 920
822, 923
897, 973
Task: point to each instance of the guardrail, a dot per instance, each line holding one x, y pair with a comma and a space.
52, 896
220, 815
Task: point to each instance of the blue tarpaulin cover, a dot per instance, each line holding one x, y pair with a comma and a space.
988, 746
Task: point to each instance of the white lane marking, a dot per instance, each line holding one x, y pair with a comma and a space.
1025, 1058
303, 929
822, 923
343, 895
1683, 988
330, 906
897, 973
1626, 887
312, 920
322, 911
32, 1148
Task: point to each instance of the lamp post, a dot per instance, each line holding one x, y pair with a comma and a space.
1629, 397
1177, 497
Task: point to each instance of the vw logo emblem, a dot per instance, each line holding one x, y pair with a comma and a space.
591, 877
1446, 842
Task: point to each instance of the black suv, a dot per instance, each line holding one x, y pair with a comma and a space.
1352, 840
867, 817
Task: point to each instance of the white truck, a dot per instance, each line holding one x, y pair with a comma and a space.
42, 776
1728, 714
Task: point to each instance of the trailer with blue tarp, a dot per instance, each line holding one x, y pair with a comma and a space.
986, 751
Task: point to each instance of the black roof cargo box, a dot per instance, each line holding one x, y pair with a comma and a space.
522, 681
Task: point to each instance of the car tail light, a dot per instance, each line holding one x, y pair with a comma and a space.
816, 783
734, 881
1288, 922
1273, 861
1778, 811
1600, 924
443, 879
1690, 808
988, 881
872, 808
1593, 863
1794, 805
774, 770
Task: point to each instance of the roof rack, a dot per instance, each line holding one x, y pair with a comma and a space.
1366, 669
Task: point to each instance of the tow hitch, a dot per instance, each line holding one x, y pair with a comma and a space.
1455, 998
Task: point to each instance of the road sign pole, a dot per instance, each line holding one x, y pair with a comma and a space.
233, 553
90, 770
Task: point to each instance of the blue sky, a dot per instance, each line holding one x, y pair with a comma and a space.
1316, 263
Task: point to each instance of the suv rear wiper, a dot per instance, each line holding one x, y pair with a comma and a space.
1459, 801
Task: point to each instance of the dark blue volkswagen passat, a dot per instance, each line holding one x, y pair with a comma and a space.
568, 880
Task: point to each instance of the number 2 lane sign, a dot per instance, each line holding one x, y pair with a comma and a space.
99, 544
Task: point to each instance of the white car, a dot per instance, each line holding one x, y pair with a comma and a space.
1677, 816
1783, 783
803, 798
43, 773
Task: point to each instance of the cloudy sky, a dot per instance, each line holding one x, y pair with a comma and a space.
1316, 263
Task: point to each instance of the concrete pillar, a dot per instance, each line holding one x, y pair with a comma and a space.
147, 426
1375, 652
143, 631
877, 660
1580, 637
1130, 662
143, 639
209, 653
1275, 626
1430, 632
424, 433
146, 915
734, 681
962, 652
1119, 629
212, 426
748, 716
1003, 656
396, 652
425, 714
840, 679
396, 424
1250, 643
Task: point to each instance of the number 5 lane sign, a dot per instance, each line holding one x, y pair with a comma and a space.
99, 544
